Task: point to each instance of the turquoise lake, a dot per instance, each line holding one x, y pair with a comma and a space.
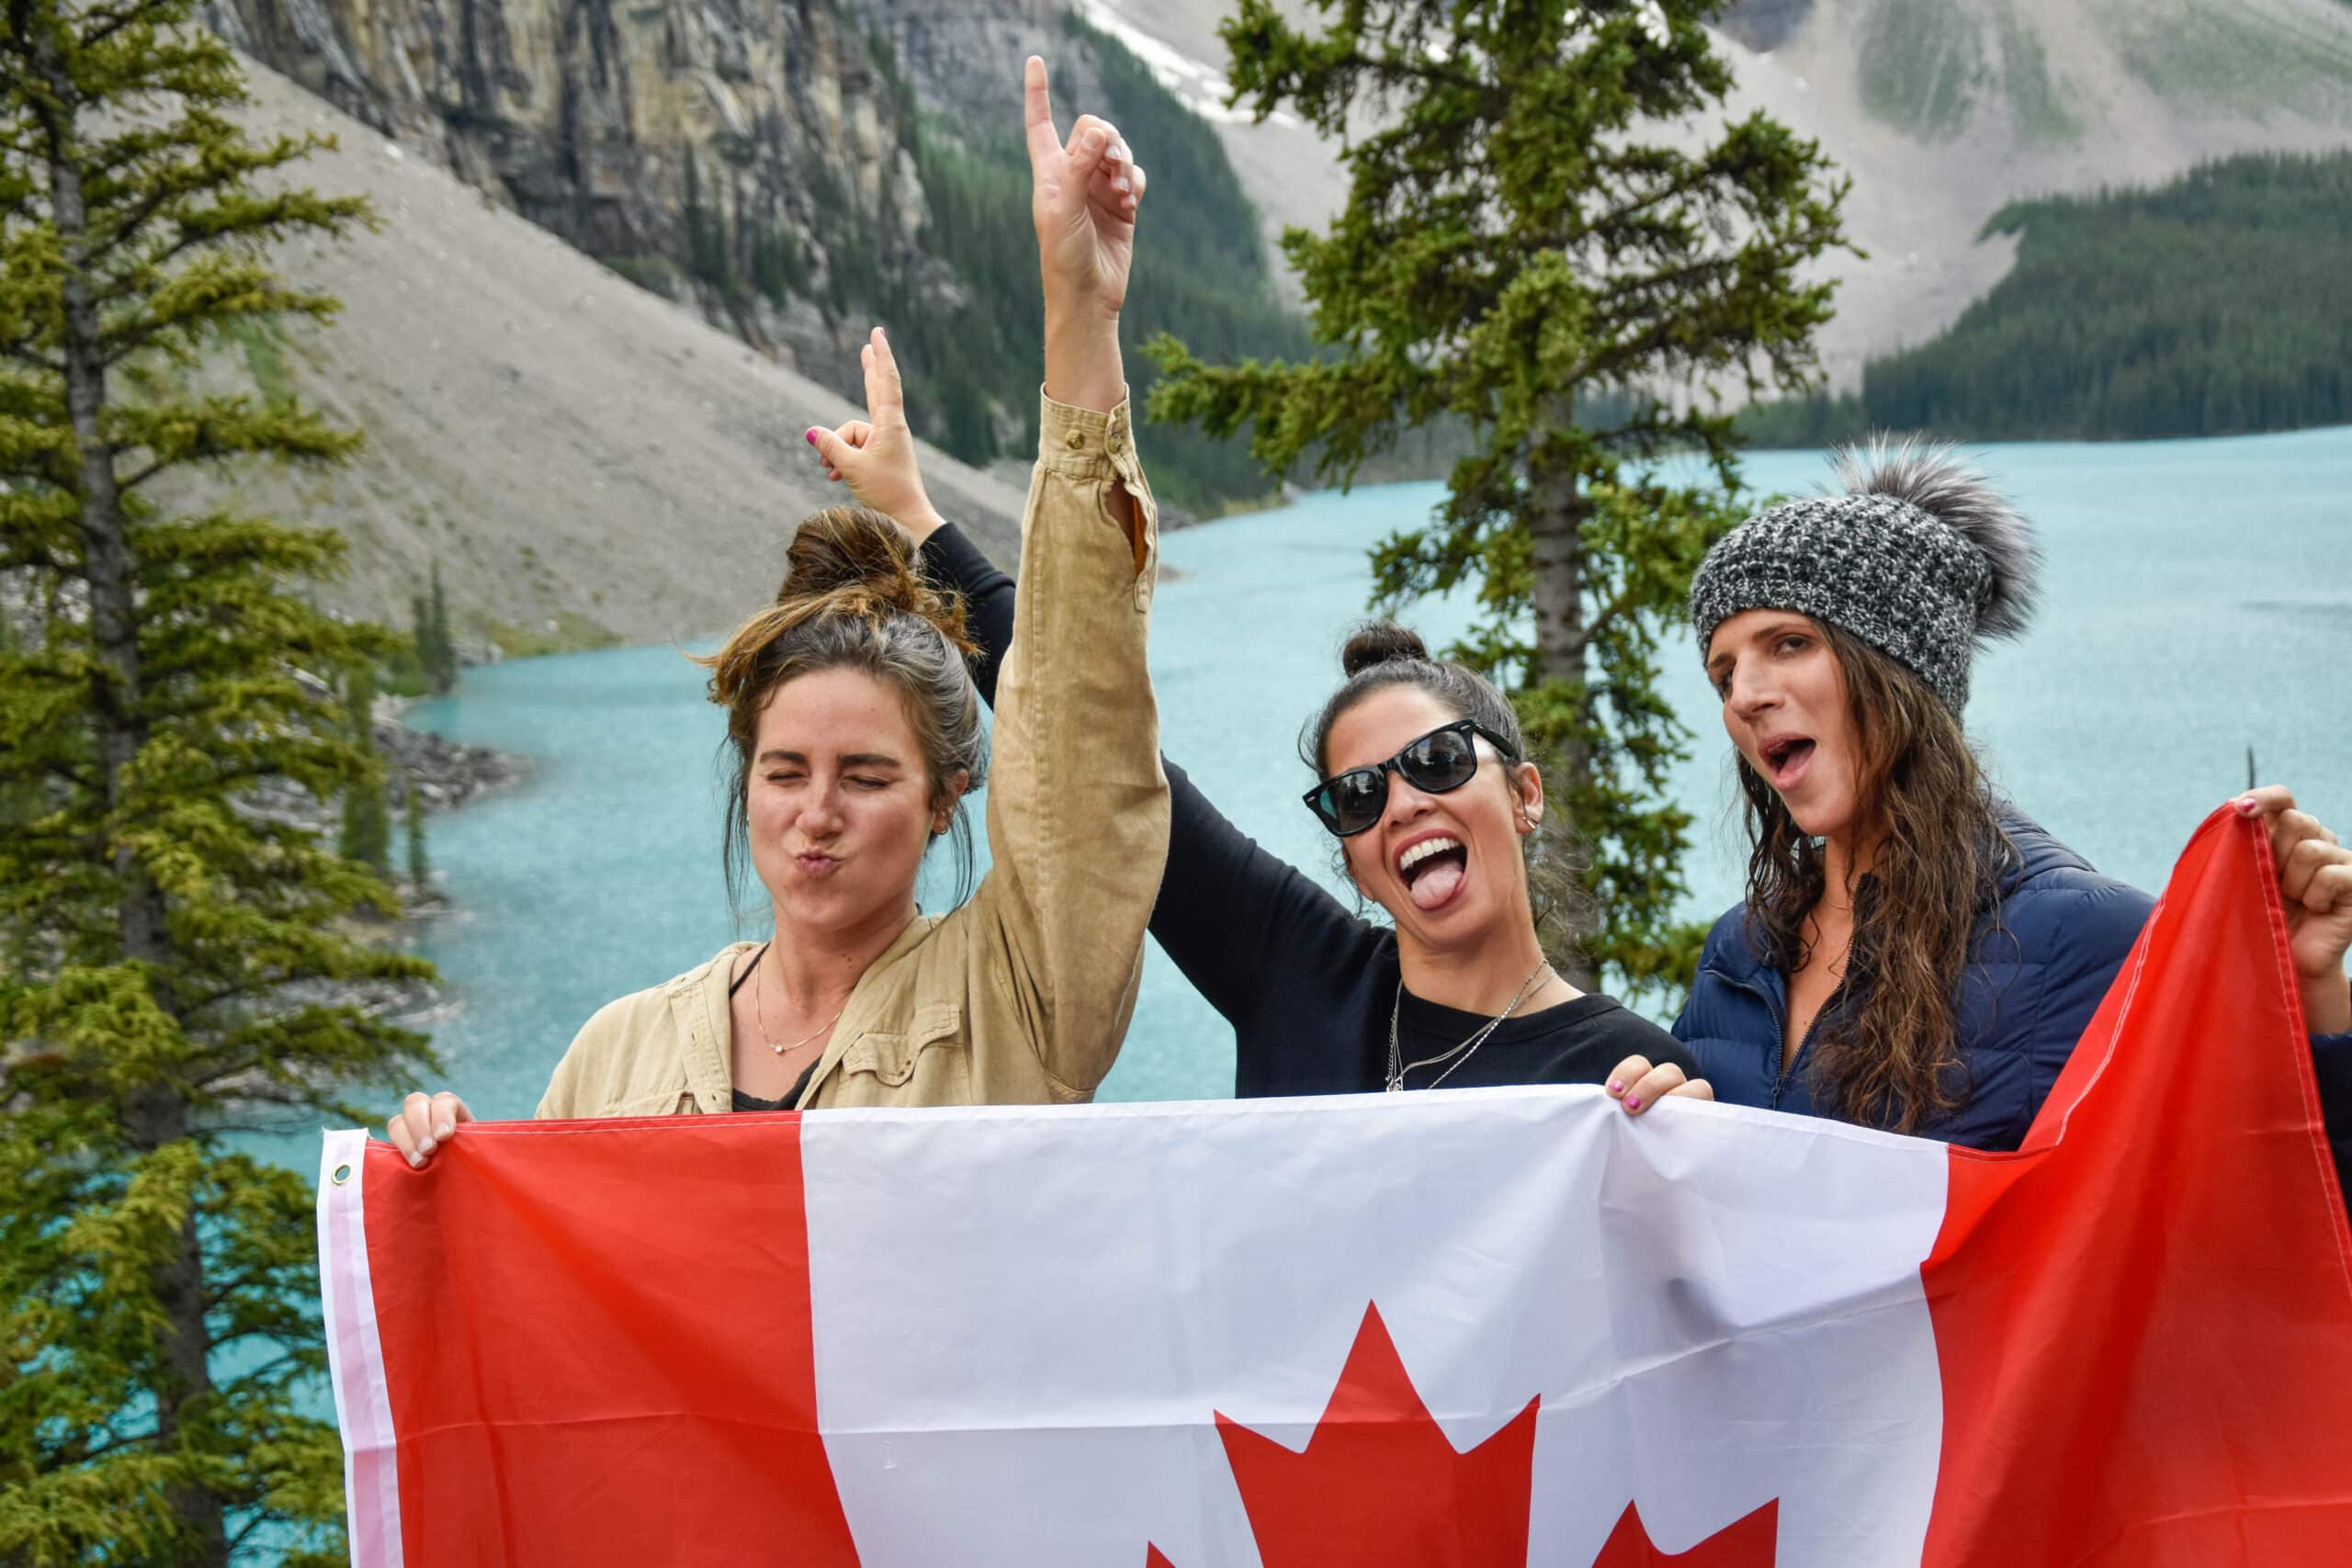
2197, 601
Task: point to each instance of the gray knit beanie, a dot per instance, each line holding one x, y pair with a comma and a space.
1921, 558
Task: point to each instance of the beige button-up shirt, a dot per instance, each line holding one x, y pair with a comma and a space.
1024, 994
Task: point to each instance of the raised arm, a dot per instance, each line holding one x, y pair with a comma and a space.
1078, 806
1229, 913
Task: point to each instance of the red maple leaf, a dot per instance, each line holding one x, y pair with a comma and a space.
1379, 1484
1748, 1542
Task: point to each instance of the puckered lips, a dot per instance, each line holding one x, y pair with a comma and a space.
1786, 759
816, 865
1433, 866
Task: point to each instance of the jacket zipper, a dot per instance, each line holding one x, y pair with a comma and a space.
1780, 1055
1780, 1036
1780, 1081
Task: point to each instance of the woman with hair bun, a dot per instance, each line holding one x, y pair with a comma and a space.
1915, 952
1423, 779
855, 733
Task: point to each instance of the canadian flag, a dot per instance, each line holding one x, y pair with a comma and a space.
1479, 1328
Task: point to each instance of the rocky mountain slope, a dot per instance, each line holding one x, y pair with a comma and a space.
689, 145
585, 460
1942, 110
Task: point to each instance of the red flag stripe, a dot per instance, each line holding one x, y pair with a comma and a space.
585, 1366
2143, 1339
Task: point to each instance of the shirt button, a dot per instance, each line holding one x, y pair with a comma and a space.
1076, 439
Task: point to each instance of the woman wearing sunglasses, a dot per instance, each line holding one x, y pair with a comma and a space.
1426, 785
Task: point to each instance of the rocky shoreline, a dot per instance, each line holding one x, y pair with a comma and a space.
446, 774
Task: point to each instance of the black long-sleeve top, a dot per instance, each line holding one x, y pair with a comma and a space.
1309, 987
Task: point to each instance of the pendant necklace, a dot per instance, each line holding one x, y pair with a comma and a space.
1398, 1066
760, 1011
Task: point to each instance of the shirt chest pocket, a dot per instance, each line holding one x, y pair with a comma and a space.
653, 1099
933, 1047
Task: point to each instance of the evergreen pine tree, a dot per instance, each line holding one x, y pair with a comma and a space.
167, 960
367, 818
1527, 237
443, 664
419, 869
420, 620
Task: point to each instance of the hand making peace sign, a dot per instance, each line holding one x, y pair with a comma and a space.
875, 455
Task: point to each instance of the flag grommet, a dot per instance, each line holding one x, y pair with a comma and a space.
342, 1174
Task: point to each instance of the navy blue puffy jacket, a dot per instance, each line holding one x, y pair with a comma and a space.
2035, 977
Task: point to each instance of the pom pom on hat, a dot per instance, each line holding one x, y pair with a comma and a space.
1930, 476
1919, 555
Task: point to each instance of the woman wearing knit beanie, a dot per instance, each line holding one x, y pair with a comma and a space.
1914, 952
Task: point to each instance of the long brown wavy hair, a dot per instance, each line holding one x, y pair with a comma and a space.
1888, 1055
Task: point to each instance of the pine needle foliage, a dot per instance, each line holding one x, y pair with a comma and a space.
174, 964
1547, 212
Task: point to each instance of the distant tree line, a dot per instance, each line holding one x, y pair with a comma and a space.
2217, 305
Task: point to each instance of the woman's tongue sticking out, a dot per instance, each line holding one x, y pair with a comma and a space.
1434, 872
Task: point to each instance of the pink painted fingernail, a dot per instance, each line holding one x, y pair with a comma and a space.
812, 438
1634, 1102
1616, 1087
2248, 805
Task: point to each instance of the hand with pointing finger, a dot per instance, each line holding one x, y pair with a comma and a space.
875, 455
1083, 198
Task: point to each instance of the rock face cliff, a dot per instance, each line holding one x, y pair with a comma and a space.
751, 159
582, 460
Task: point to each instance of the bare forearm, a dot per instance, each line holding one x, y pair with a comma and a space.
1082, 364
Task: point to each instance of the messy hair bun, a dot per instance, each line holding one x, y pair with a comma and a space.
1380, 642
852, 599
851, 561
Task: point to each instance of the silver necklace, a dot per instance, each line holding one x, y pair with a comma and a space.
760, 1011
1398, 1066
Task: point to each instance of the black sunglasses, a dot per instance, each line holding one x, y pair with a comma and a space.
1444, 759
